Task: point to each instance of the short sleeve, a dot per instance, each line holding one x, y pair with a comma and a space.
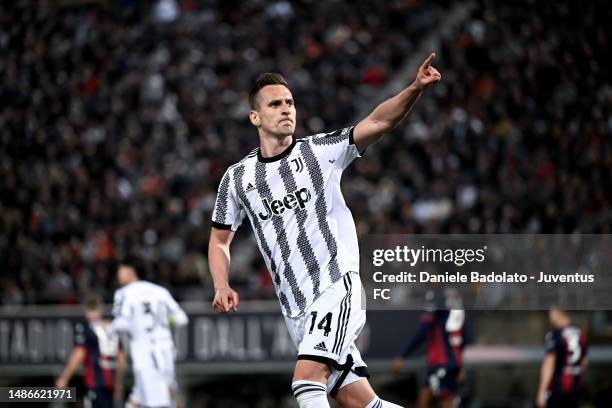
338, 145
584, 344
79, 335
551, 343
118, 304
122, 313
227, 213
427, 318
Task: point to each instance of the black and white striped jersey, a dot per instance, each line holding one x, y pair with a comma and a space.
303, 227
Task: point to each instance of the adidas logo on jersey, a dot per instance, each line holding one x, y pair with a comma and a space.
295, 200
321, 346
249, 187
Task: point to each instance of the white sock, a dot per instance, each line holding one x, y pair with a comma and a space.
310, 394
378, 403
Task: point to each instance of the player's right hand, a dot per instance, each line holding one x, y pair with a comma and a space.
226, 300
61, 383
541, 399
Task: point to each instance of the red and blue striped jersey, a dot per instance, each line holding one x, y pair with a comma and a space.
569, 345
101, 353
445, 333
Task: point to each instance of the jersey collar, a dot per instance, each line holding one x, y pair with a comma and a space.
279, 156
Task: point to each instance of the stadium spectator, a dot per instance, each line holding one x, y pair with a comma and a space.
115, 129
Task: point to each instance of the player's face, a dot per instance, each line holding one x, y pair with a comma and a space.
276, 113
556, 318
124, 275
93, 314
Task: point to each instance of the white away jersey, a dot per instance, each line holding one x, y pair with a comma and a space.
303, 227
144, 310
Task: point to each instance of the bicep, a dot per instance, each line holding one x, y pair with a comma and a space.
549, 360
79, 353
368, 132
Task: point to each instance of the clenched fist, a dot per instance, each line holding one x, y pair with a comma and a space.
226, 300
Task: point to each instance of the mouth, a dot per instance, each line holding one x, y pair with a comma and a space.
286, 120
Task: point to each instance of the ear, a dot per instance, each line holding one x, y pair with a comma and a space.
254, 117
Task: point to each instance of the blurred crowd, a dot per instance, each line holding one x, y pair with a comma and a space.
117, 120
517, 137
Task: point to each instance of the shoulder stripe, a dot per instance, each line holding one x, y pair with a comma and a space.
337, 136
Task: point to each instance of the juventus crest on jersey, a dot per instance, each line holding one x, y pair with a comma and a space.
303, 227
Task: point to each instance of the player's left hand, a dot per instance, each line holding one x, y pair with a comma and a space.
61, 382
427, 75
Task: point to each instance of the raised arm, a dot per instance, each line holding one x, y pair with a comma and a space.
390, 113
226, 299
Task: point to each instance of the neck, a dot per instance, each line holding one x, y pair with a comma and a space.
274, 145
130, 281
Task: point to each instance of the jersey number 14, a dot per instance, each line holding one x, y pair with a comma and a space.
324, 324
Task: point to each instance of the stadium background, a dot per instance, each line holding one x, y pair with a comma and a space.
118, 118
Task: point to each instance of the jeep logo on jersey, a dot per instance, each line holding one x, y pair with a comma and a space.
294, 200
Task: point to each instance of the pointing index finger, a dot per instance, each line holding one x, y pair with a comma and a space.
429, 60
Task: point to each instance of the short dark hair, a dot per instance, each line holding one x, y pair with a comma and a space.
269, 78
93, 301
134, 262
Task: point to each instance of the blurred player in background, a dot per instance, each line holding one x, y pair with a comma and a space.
290, 190
146, 312
446, 335
102, 356
563, 368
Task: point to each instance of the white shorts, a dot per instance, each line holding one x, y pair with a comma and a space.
153, 376
326, 332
